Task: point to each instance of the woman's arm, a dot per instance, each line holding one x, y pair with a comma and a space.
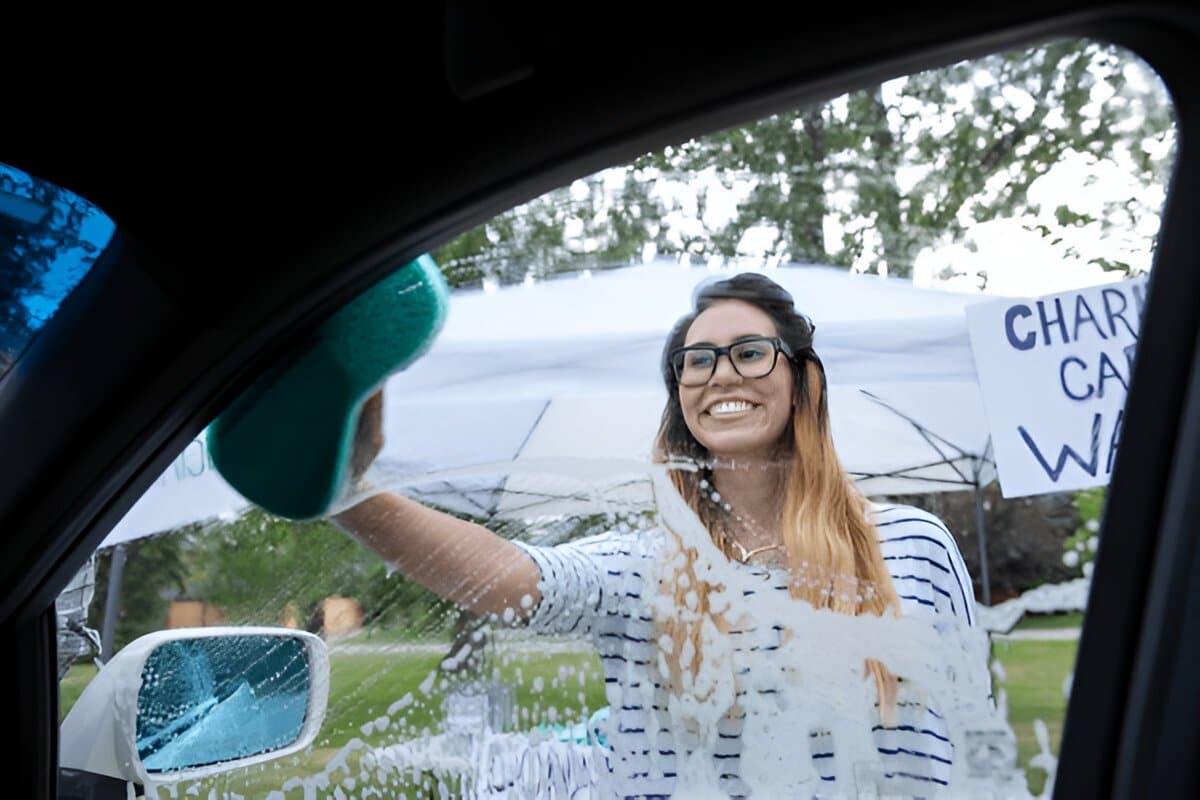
459, 560
456, 559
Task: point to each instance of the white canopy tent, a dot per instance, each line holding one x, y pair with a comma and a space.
562, 378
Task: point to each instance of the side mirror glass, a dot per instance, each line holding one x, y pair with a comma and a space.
206, 701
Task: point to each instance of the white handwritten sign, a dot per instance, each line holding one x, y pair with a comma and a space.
1054, 373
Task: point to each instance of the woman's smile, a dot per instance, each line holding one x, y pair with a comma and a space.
730, 408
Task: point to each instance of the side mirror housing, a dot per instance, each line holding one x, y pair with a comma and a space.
184, 704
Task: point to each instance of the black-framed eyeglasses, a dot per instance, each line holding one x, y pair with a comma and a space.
753, 357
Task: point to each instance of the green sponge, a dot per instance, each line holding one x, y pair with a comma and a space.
285, 444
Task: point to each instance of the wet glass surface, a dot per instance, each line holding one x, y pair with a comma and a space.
666, 643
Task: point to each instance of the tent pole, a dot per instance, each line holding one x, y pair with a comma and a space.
983, 562
112, 601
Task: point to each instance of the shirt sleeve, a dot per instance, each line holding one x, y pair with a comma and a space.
957, 580
958, 567
926, 566
588, 579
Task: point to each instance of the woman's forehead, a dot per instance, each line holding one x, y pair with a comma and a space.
727, 320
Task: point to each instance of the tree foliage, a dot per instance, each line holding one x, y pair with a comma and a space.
868, 180
592, 223
1079, 551
155, 572
238, 566
1025, 536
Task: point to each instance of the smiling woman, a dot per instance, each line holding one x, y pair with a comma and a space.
745, 436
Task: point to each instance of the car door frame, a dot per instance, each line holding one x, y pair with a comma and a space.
163, 377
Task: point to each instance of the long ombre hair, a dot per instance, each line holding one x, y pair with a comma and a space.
832, 549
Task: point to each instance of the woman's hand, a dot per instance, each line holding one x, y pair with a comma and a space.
368, 436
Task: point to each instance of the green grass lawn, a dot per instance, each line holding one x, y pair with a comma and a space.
1034, 622
364, 687
1034, 672
566, 687
72, 685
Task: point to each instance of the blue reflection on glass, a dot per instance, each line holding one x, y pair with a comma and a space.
206, 701
49, 239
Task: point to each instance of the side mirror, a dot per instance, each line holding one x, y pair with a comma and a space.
184, 704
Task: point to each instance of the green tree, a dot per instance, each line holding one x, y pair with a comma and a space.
912, 163
598, 221
237, 567
783, 165
895, 168
1079, 551
155, 572
1004, 121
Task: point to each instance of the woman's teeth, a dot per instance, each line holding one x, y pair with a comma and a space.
730, 407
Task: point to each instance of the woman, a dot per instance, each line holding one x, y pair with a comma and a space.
704, 631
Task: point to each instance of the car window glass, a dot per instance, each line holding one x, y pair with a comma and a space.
49, 239
966, 242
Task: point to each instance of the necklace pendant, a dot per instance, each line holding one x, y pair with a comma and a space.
745, 555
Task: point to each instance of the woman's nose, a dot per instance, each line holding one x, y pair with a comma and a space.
723, 370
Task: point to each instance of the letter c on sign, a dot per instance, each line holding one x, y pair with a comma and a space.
1020, 343
1062, 377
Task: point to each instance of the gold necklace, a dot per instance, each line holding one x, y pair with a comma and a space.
746, 555
739, 521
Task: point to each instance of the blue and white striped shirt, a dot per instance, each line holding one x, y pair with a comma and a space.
600, 586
